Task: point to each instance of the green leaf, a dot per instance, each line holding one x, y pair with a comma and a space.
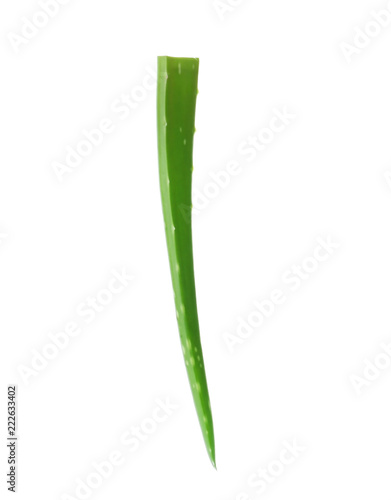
176, 103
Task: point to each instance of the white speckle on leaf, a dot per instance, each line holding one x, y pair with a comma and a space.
184, 142
179, 68
192, 361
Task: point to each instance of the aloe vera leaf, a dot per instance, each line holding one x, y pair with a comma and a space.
176, 102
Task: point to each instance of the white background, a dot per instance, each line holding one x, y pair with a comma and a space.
323, 176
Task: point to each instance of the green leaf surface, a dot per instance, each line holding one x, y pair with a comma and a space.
176, 103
